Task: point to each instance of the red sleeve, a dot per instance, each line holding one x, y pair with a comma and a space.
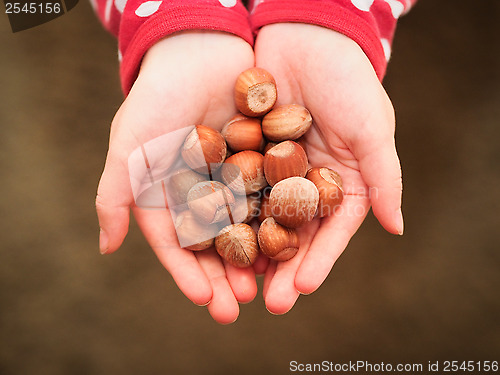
139, 24
370, 23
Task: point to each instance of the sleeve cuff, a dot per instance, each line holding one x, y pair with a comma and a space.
359, 26
174, 19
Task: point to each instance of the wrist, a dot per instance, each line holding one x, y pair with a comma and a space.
189, 57
371, 27
322, 46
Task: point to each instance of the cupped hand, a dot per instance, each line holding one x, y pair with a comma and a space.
352, 133
185, 79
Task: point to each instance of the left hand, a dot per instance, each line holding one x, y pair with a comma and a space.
352, 133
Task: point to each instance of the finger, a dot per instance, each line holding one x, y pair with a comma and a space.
381, 171
242, 282
282, 293
157, 227
329, 242
268, 276
113, 200
261, 264
223, 306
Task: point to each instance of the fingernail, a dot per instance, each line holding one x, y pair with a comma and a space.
399, 222
103, 241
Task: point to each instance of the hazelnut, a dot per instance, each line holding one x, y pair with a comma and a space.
237, 244
204, 149
180, 182
193, 235
255, 92
286, 122
329, 184
243, 172
294, 201
245, 208
268, 146
286, 159
210, 201
276, 241
243, 133
265, 208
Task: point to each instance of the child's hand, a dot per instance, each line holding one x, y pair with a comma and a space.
185, 80
353, 133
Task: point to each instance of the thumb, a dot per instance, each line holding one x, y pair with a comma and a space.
381, 171
379, 165
113, 201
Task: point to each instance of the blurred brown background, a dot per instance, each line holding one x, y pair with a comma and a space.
431, 294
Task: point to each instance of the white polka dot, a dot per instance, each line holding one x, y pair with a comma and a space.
387, 48
107, 10
396, 7
228, 3
120, 5
148, 8
120, 56
363, 5
255, 4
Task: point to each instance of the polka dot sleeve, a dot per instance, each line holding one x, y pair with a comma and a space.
139, 24
370, 23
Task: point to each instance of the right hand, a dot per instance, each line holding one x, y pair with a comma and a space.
185, 79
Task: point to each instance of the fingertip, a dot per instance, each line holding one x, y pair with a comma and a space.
280, 306
193, 284
242, 282
391, 220
108, 244
281, 297
223, 307
399, 222
200, 297
113, 226
261, 264
305, 283
103, 242
228, 317
247, 295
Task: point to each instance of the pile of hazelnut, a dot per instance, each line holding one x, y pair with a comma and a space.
249, 187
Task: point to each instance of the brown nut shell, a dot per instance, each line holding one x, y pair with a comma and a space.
237, 244
246, 207
243, 133
210, 201
192, 234
204, 149
329, 184
294, 201
243, 172
286, 122
286, 159
265, 207
276, 241
180, 182
268, 146
255, 92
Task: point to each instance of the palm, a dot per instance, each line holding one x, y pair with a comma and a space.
352, 134
184, 81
